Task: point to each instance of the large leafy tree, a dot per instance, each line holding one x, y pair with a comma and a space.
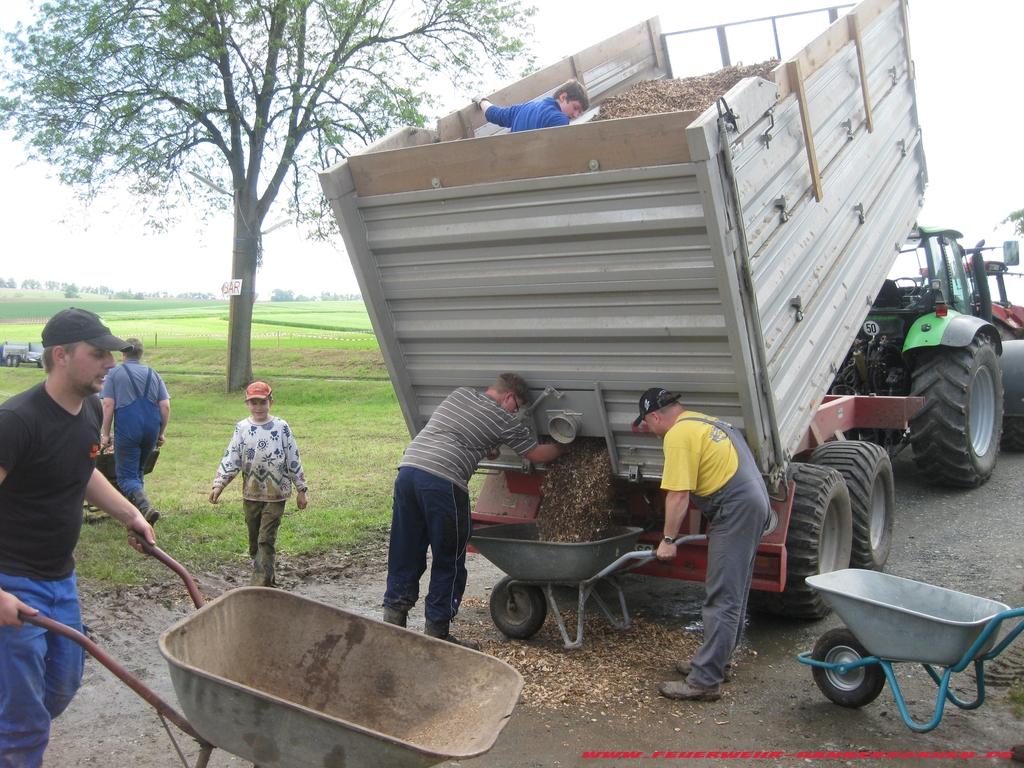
253, 94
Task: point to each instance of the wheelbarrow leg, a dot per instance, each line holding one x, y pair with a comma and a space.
204, 756
586, 590
567, 643
944, 688
614, 620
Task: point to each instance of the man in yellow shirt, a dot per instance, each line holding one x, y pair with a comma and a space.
708, 462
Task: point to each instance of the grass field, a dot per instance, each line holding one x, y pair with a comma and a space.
329, 384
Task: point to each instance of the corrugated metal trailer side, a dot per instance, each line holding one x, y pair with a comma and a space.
730, 256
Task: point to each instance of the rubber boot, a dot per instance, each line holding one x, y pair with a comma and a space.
140, 500
395, 616
440, 631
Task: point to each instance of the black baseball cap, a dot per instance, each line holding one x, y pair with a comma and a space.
71, 325
654, 399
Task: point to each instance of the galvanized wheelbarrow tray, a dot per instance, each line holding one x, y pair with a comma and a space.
891, 619
520, 601
284, 681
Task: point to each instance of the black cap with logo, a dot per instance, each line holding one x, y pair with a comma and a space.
654, 399
71, 325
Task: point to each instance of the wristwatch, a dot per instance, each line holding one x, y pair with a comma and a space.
668, 539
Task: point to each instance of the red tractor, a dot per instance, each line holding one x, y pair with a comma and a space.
1008, 318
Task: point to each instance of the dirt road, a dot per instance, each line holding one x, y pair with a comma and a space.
965, 541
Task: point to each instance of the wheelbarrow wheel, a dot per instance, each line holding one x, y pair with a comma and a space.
857, 687
518, 610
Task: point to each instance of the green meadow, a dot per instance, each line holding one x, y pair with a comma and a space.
330, 384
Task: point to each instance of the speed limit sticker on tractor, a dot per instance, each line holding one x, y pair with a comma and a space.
871, 328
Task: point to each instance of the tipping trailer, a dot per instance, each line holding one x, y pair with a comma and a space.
729, 255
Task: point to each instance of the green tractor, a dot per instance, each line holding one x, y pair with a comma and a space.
930, 334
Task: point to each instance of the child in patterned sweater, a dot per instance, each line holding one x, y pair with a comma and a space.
264, 450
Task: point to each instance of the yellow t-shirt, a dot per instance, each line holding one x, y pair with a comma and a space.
699, 457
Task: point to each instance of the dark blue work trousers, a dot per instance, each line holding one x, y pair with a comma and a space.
428, 511
136, 428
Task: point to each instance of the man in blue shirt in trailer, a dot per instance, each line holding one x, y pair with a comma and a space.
567, 103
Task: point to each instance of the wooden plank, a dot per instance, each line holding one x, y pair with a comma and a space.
631, 142
796, 79
829, 43
854, 22
906, 38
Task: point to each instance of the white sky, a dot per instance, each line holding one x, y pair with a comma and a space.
968, 59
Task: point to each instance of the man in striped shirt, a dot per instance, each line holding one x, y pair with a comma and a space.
431, 502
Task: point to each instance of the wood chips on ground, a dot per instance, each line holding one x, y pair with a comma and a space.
652, 97
615, 670
577, 494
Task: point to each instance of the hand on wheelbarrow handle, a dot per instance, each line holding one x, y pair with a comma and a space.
50, 625
635, 559
154, 551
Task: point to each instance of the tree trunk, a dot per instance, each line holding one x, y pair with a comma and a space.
245, 252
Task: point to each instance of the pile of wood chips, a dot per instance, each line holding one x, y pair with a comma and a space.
653, 97
577, 494
616, 671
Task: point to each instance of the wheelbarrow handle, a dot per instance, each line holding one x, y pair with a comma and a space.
155, 552
165, 709
635, 559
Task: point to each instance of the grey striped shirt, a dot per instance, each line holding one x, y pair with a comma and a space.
465, 426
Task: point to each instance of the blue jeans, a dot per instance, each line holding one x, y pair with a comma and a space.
39, 672
136, 428
428, 511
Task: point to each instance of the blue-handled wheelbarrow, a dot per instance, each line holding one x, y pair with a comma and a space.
890, 619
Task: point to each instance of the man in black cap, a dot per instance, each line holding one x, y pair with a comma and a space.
49, 440
708, 461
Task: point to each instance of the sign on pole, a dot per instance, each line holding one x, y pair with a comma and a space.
231, 288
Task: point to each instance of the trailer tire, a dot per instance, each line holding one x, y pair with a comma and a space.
819, 540
956, 435
857, 687
518, 610
867, 470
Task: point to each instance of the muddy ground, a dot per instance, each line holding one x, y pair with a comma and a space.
967, 541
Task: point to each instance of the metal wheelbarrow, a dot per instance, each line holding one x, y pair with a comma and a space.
520, 601
282, 680
891, 619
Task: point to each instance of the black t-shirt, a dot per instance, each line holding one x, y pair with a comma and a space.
49, 456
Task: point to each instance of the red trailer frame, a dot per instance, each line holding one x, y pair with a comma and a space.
514, 497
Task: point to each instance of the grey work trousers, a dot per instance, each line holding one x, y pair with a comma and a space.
738, 515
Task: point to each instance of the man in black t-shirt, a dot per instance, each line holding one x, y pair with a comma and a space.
49, 440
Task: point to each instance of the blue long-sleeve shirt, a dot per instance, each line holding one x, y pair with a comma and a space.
540, 113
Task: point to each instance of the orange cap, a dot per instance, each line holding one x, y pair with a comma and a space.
257, 389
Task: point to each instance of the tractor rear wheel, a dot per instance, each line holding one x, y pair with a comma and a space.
867, 470
819, 540
956, 435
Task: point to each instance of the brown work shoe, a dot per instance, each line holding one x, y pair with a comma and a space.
684, 668
439, 629
686, 692
1017, 753
473, 645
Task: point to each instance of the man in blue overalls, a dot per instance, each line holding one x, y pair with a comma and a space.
708, 461
135, 394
